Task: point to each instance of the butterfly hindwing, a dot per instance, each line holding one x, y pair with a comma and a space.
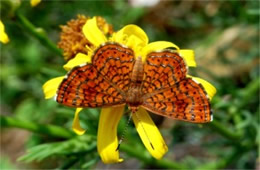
186, 101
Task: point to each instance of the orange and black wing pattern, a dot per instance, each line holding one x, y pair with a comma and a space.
101, 83
162, 70
170, 93
115, 63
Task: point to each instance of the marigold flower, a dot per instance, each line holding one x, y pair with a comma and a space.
3, 36
72, 39
135, 38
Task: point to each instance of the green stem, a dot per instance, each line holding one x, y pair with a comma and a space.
250, 90
163, 163
50, 130
37, 33
224, 131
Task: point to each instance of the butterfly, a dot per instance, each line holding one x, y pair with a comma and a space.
116, 77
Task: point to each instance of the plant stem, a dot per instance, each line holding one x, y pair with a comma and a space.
224, 131
50, 130
37, 33
250, 90
163, 163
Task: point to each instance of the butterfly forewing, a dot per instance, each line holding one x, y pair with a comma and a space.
84, 87
102, 83
115, 63
162, 70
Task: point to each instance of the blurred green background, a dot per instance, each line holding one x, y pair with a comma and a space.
225, 37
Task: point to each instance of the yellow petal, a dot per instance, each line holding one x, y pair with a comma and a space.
155, 46
132, 36
188, 56
107, 134
93, 33
79, 59
35, 2
209, 88
76, 125
3, 36
51, 86
149, 134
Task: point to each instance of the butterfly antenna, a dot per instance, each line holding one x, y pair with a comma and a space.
144, 130
124, 131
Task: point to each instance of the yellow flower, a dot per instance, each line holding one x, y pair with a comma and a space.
3, 36
35, 2
135, 38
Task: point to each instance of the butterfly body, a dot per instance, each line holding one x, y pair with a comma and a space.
134, 99
134, 93
117, 77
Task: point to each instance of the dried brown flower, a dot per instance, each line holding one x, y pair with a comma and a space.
72, 39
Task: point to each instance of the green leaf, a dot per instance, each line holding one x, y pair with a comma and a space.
78, 145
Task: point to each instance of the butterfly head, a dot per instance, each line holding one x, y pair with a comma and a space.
133, 108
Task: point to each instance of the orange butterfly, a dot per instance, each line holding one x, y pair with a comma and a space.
115, 77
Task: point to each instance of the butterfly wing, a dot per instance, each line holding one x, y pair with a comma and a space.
101, 83
162, 70
170, 93
115, 63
